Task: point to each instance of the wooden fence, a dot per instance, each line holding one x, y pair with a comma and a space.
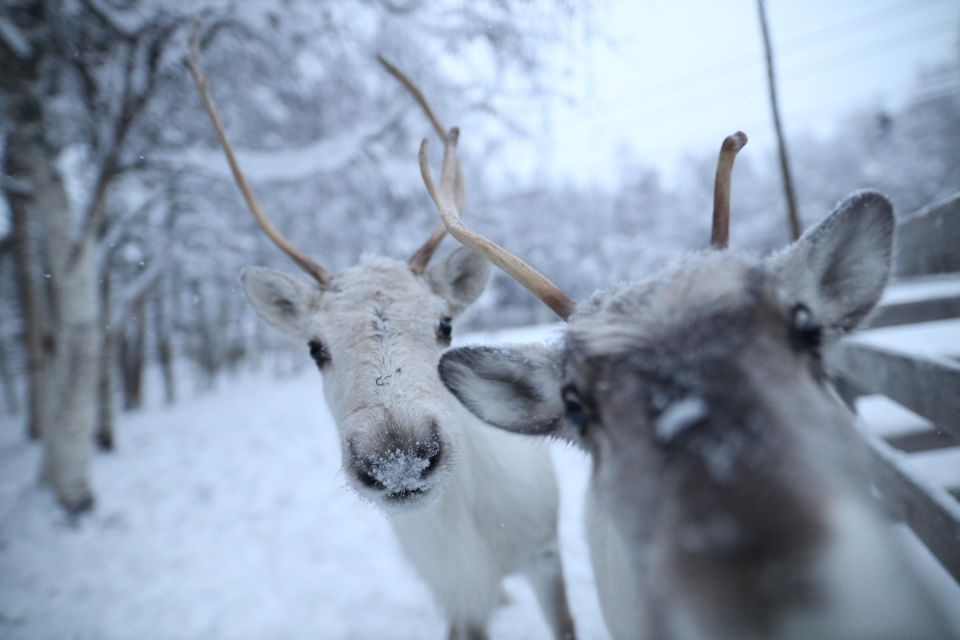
904, 370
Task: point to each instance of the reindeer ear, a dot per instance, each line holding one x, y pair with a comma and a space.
516, 389
839, 268
285, 302
459, 278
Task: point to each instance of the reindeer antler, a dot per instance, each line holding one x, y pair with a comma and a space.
533, 280
200, 79
720, 234
421, 257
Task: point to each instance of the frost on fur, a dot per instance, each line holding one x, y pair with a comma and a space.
400, 470
679, 417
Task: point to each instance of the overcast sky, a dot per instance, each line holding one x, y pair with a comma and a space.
674, 76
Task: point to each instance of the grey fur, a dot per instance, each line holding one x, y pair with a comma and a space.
726, 524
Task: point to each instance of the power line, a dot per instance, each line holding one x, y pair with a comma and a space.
877, 17
786, 49
700, 93
758, 122
786, 65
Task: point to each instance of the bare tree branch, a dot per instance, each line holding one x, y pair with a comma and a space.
16, 42
16, 186
133, 102
103, 16
135, 290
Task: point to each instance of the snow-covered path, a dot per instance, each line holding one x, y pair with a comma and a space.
226, 516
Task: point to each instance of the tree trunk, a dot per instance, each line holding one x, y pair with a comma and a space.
205, 337
69, 409
164, 347
132, 352
68, 435
10, 396
16, 166
105, 417
8, 378
793, 218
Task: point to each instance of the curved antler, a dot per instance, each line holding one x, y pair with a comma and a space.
421, 257
533, 280
720, 234
200, 79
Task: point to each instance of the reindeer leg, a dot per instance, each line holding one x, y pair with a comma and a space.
460, 630
545, 574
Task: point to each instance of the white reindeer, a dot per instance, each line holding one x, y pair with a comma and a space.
728, 497
468, 504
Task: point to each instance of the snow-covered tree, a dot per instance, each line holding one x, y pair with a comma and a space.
117, 193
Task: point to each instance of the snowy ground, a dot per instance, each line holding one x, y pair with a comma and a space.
226, 516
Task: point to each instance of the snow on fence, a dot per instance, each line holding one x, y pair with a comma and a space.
910, 356
927, 241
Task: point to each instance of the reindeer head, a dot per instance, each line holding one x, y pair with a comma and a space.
719, 451
376, 331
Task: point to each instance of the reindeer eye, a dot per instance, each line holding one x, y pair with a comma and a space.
573, 407
319, 353
806, 328
445, 329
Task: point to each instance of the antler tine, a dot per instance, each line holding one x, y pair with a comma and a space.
421, 257
720, 234
200, 79
533, 280
416, 93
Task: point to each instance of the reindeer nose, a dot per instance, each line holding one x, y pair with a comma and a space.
434, 455
400, 467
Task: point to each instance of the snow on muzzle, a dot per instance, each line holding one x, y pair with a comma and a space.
398, 462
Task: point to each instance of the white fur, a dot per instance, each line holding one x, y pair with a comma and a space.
491, 508
619, 591
873, 595
479, 530
491, 397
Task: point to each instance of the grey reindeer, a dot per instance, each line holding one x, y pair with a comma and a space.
468, 504
728, 497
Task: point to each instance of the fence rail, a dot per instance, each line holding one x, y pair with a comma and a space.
910, 353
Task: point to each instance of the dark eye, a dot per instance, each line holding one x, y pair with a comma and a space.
319, 353
806, 329
445, 329
573, 407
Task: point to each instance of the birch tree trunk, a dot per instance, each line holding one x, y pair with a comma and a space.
68, 434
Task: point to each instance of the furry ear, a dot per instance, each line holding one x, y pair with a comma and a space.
283, 301
516, 389
839, 268
459, 278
